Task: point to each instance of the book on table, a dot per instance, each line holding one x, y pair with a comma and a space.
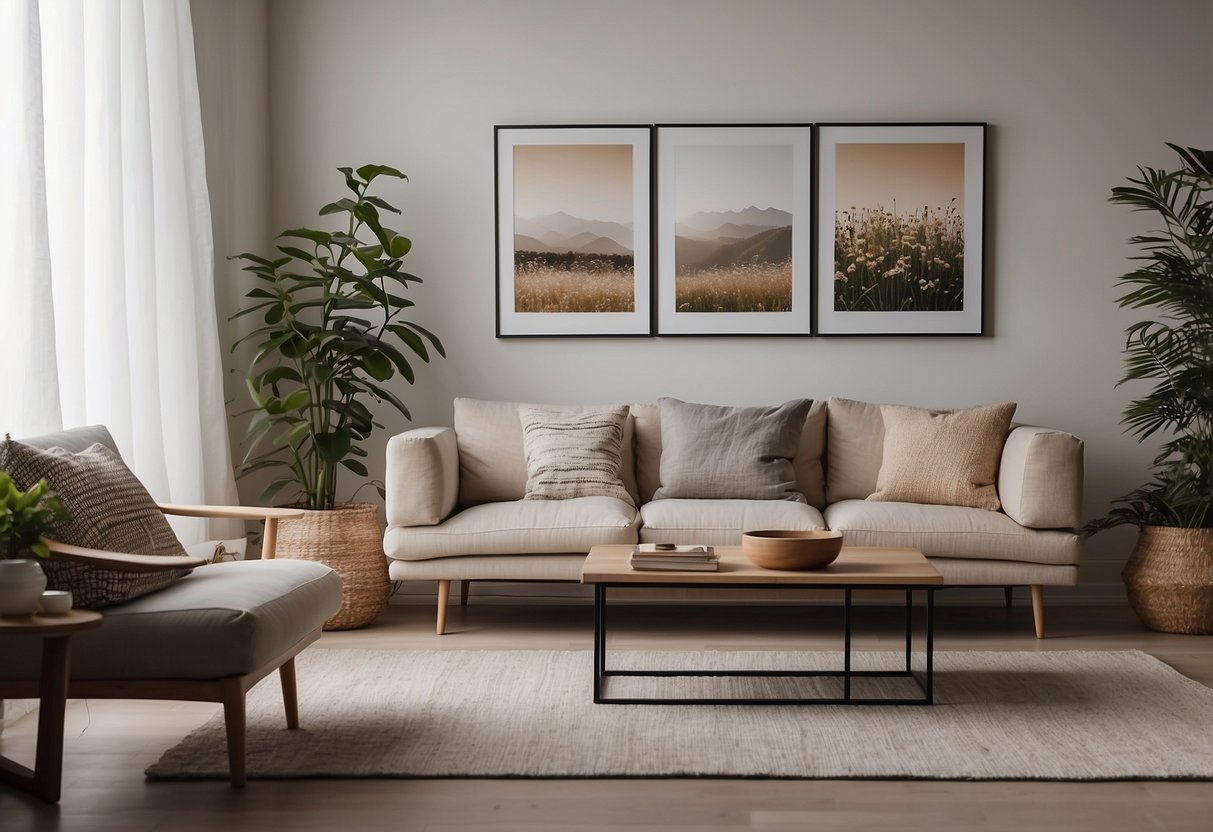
691, 558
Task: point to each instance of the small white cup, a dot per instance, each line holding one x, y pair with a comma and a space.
56, 602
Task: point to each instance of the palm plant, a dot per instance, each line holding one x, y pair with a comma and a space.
331, 338
1175, 349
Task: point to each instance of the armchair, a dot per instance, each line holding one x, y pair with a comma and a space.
210, 636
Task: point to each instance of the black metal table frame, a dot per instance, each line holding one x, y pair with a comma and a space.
925, 682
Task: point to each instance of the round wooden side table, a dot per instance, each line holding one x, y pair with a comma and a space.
56, 631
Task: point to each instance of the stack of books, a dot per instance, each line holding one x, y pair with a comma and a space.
664, 557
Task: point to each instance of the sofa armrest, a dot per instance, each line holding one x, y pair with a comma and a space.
1040, 478
422, 480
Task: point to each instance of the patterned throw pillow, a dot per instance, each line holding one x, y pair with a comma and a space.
108, 509
573, 453
946, 458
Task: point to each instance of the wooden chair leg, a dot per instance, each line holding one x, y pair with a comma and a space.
234, 722
444, 595
1007, 595
1038, 609
290, 695
464, 586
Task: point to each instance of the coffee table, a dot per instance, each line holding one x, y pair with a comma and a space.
906, 570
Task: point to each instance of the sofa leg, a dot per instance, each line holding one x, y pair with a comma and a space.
1007, 595
290, 696
234, 721
464, 586
444, 595
1038, 609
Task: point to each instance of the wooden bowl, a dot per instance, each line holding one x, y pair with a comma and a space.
792, 550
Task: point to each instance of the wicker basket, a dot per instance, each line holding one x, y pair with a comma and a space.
1170, 579
349, 540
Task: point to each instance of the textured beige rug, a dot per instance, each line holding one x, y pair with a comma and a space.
1039, 716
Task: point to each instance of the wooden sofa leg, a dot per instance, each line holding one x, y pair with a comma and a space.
1007, 596
464, 586
234, 721
444, 596
1038, 609
290, 695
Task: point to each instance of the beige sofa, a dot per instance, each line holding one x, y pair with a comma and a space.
455, 510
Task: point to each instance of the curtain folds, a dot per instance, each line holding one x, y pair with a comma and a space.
113, 318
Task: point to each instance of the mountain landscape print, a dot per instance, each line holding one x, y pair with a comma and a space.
733, 228
574, 247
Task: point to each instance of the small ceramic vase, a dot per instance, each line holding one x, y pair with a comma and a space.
21, 584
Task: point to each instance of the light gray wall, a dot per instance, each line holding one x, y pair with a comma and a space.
1076, 95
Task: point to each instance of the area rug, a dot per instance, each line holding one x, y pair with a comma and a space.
1065, 715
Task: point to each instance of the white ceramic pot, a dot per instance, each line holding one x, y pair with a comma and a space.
21, 584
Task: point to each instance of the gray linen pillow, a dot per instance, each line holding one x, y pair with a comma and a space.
573, 452
108, 508
730, 453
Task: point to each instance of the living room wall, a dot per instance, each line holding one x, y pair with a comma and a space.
1076, 94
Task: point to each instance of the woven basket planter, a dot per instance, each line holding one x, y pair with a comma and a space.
347, 539
1170, 579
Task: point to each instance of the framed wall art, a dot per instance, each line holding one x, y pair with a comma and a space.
733, 228
574, 240
900, 220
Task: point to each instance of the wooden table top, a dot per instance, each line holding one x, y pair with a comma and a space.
49, 625
856, 565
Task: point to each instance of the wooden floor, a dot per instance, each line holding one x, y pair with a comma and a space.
110, 743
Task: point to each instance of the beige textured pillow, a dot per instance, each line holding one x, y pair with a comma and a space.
573, 453
944, 458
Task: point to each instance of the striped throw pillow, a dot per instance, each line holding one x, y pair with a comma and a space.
573, 453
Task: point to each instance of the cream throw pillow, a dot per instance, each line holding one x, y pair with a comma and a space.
946, 458
573, 453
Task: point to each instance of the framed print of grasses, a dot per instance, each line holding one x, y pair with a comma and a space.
733, 229
900, 219
573, 230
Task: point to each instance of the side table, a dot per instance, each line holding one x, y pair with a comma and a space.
56, 631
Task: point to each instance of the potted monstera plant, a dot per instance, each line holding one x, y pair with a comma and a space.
1169, 576
335, 335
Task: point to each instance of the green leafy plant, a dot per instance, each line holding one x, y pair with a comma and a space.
331, 339
25, 516
1175, 349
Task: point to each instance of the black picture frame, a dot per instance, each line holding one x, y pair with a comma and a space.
574, 230
734, 229
911, 269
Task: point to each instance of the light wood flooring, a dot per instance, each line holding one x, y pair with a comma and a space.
110, 743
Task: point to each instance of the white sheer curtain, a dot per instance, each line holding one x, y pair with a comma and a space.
109, 311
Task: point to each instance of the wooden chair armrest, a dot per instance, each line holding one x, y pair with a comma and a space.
235, 512
123, 561
270, 514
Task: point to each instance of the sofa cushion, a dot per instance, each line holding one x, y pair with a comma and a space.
808, 464
721, 522
225, 619
518, 527
108, 508
949, 532
717, 452
492, 461
942, 457
573, 453
855, 447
